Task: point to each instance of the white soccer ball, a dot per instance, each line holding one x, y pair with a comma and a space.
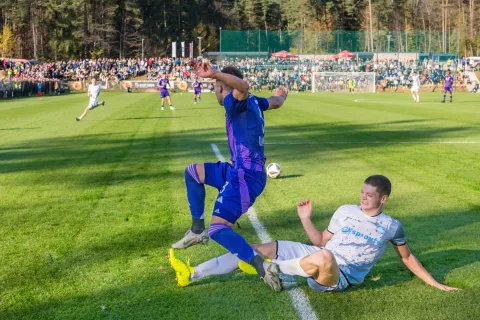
274, 170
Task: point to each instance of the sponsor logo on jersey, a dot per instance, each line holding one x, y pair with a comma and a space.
348, 230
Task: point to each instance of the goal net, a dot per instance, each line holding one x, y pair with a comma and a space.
339, 81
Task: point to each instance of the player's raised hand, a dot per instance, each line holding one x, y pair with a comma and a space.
304, 209
204, 70
281, 91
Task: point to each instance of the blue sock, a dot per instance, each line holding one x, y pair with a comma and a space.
195, 193
444, 96
231, 241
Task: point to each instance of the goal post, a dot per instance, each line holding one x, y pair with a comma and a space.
339, 81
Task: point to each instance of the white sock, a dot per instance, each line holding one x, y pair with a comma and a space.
81, 117
292, 267
220, 265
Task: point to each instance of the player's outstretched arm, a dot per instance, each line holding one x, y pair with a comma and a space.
240, 86
279, 96
417, 268
304, 210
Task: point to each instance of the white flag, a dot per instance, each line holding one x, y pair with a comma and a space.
174, 49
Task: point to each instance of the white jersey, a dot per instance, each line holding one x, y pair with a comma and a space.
416, 81
94, 92
359, 240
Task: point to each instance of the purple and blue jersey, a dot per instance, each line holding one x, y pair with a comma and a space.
242, 181
163, 83
163, 87
197, 87
448, 82
245, 130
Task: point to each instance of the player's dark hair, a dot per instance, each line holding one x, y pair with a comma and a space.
383, 185
233, 71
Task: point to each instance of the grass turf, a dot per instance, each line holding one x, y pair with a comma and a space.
89, 209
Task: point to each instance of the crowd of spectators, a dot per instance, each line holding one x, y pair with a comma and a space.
297, 74
17, 74
261, 73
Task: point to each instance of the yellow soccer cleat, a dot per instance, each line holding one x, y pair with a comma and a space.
248, 268
182, 270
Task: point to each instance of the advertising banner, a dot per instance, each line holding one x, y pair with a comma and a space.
151, 86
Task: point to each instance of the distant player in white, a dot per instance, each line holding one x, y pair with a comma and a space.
341, 255
415, 86
93, 92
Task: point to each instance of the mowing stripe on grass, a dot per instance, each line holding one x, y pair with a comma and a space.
299, 300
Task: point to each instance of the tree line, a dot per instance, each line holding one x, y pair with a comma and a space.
72, 29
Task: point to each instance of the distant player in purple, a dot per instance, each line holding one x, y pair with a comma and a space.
197, 90
162, 85
240, 182
448, 87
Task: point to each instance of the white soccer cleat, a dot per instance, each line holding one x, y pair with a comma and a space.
191, 239
272, 276
161, 108
172, 108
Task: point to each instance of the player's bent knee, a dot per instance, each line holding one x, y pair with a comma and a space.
266, 250
215, 228
323, 259
191, 171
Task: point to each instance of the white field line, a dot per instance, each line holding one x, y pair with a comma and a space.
363, 142
299, 300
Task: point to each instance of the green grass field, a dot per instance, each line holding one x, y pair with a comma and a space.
89, 209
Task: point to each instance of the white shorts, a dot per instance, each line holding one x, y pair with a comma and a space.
414, 89
92, 104
288, 250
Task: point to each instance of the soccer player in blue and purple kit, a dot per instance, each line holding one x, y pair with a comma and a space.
197, 90
448, 79
162, 85
240, 182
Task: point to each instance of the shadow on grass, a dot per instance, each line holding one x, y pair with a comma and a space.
89, 151
156, 296
136, 240
145, 118
146, 296
290, 176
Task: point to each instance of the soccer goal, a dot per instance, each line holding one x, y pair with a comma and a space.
340, 81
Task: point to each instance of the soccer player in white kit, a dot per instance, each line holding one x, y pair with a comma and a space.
341, 255
415, 86
93, 92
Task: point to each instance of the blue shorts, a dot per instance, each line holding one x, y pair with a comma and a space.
164, 93
449, 89
197, 92
341, 285
238, 188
